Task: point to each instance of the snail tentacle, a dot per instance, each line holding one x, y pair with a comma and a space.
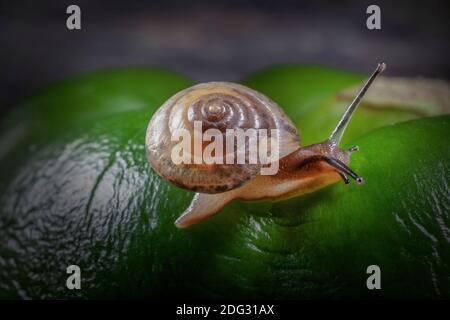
341, 167
338, 132
344, 177
353, 149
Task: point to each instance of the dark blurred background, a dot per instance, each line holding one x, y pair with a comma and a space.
215, 40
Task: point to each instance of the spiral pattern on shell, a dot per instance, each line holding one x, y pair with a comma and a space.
219, 106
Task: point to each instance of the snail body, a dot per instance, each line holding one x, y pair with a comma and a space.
221, 108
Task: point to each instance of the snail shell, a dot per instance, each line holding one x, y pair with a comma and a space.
221, 106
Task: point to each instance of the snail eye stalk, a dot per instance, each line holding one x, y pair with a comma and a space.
338, 132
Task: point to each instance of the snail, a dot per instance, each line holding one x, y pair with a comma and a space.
220, 107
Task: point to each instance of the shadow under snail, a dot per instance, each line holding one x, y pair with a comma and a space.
223, 106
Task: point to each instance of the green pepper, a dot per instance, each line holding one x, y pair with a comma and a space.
76, 188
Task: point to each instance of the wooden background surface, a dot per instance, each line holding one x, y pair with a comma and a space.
215, 40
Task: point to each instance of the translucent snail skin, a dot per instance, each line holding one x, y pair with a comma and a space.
222, 106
